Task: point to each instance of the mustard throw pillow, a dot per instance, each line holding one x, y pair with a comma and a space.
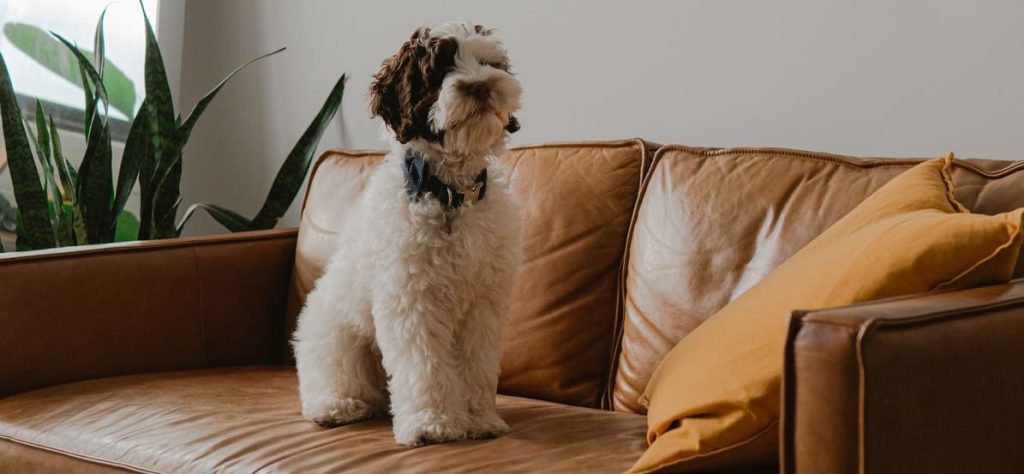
714, 400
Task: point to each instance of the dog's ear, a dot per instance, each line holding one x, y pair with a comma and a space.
409, 83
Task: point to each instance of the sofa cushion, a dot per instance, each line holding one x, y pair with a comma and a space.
577, 199
248, 419
717, 393
713, 222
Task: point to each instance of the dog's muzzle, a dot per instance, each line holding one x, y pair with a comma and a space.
513, 124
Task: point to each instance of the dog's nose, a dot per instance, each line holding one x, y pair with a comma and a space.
513, 124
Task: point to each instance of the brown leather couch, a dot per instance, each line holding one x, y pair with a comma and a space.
171, 356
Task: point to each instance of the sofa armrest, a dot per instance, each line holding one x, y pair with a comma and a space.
80, 313
925, 383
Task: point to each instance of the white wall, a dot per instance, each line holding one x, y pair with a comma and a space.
910, 77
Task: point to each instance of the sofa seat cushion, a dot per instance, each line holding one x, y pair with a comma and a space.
247, 419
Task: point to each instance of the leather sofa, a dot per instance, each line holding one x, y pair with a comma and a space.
172, 356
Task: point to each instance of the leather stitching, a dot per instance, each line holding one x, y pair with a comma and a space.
80, 457
841, 159
146, 246
862, 395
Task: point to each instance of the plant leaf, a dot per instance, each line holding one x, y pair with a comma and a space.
53, 193
166, 200
95, 184
42, 131
185, 130
66, 183
127, 227
197, 111
66, 228
78, 226
120, 89
231, 220
4, 206
146, 192
293, 171
90, 71
23, 243
28, 191
99, 48
69, 209
136, 148
90, 101
159, 177
158, 93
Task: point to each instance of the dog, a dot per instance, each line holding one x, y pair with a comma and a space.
412, 304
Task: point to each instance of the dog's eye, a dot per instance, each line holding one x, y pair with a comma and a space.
494, 64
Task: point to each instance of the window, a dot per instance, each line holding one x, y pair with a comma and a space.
24, 41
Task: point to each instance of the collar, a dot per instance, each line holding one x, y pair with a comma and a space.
420, 181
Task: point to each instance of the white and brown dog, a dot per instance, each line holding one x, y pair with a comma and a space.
413, 302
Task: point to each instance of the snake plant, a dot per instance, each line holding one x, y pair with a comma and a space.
70, 206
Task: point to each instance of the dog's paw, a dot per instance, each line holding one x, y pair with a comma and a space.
488, 425
429, 427
338, 411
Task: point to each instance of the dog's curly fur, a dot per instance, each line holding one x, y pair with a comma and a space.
412, 304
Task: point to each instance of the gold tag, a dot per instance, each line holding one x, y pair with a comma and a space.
472, 193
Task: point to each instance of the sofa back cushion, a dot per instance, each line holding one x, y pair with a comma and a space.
577, 201
713, 222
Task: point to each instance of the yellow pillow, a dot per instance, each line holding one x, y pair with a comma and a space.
713, 402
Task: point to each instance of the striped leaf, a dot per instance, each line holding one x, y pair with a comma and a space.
99, 48
28, 190
4, 208
41, 139
90, 100
42, 131
62, 165
158, 94
166, 200
96, 184
159, 186
197, 111
91, 73
136, 149
166, 169
71, 210
231, 220
292, 173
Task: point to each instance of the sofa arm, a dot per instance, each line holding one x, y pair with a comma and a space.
926, 383
79, 313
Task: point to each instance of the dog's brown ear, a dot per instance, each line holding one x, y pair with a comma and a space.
409, 83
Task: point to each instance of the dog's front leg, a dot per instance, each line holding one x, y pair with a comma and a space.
416, 339
480, 344
340, 375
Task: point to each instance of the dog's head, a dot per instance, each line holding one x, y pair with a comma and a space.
450, 86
